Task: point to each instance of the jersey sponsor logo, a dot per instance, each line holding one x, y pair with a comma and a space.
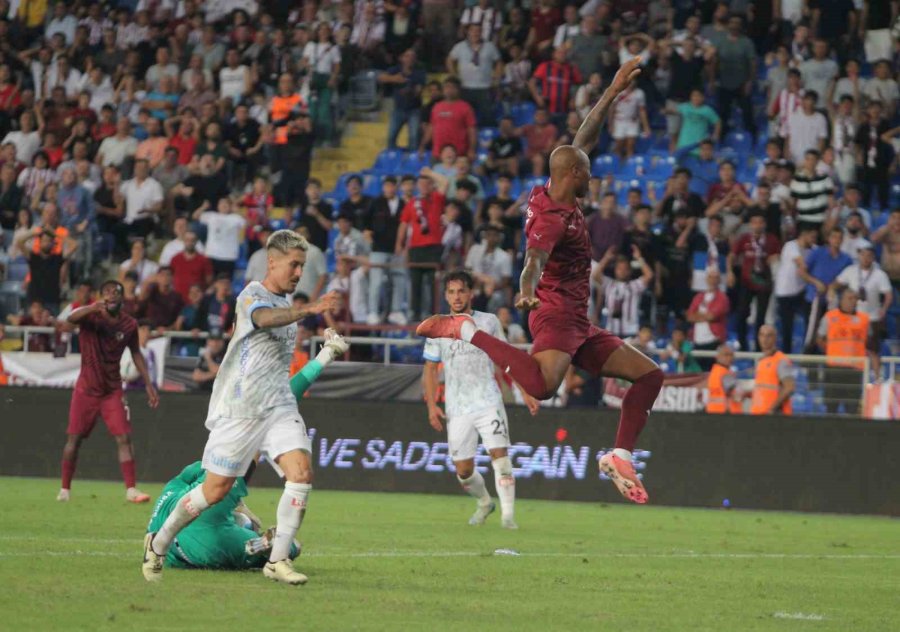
223, 462
120, 336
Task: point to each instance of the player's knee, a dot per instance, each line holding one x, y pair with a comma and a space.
465, 470
122, 440
300, 475
653, 378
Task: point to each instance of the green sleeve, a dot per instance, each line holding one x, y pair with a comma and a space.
301, 382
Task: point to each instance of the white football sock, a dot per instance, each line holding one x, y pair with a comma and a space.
291, 509
506, 485
623, 454
467, 330
475, 487
188, 508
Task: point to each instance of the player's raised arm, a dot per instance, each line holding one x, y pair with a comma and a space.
79, 314
589, 133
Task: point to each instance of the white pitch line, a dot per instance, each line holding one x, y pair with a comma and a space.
799, 616
446, 554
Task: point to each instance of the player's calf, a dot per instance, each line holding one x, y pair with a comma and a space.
505, 483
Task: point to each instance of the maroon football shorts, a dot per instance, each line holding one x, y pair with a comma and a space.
84, 410
588, 345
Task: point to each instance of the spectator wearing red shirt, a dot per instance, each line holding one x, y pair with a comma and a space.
422, 218
544, 19
540, 136
708, 314
160, 303
553, 84
10, 96
182, 137
452, 123
754, 252
189, 268
106, 126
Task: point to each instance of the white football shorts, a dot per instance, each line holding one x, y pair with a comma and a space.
234, 442
463, 432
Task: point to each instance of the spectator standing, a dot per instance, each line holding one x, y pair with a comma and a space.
316, 215
381, 225
47, 270
479, 67
553, 85
407, 82
883, 88
812, 193
628, 119
698, 121
27, 139
820, 73
754, 253
823, 265
588, 47
876, 21
115, 150
678, 196
806, 129
225, 230
708, 250
77, 215
209, 361
491, 268
357, 206
315, 271
138, 263
176, 245
540, 136
143, 200
606, 229
673, 269
190, 267
843, 140
244, 142
452, 123
504, 150
888, 237
216, 312
854, 236
258, 263
292, 134
323, 59
736, 71
160, 303
790, 287
11, 198
622, 294
708, 313
421, 220
875, 294
775, 379
875, 155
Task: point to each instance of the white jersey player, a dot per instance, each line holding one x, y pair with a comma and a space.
252, 409
474, 405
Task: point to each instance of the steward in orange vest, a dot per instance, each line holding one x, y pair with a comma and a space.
843, 333
721, 384
774, 382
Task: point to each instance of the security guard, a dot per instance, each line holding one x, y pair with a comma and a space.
721, 384
843, 333
774, 382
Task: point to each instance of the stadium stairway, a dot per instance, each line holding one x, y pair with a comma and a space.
359, 148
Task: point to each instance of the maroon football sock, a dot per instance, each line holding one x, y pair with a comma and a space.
636, 407
128, 473
522, 367
68, 472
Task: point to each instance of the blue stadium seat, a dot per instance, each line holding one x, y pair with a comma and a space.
486, 135
662, 168
414, 161
481, 157
633, 167
522, 113
372, 186
605, 164
278, 224
740, 142
643, 145
388, 162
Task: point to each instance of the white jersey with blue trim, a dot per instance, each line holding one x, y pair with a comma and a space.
469, 382
253, 376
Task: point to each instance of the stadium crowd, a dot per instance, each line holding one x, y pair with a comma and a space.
748, 176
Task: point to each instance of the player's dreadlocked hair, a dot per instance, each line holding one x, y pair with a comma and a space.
286, 240
462, 276
112, 282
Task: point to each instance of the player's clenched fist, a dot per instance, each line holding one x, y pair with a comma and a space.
627, 73
326, 303
528, 303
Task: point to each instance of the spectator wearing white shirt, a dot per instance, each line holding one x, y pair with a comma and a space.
162, 67
850, 204
491, 268
144, 268
116, 149
323, 58
100, 87
143, 200
820, 72
62, 22
235, 79
176, 245
790, 288
27, 139
622, 294
485, 14
258, 264
843, 135
315, 270
479, 66
224, 233
806, 129
854, 236
62, 74
569, 29
883, 88
876, 294
628, 119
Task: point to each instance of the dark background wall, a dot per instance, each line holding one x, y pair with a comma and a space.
805, 464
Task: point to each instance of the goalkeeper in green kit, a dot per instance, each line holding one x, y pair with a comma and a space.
228, 536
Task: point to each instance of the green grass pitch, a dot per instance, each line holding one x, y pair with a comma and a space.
410, 562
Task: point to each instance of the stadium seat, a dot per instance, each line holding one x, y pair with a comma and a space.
372, 186
388, 162
522, 113
740, 142
486, 135
662, 168
278, 224
17, 270
633, 167
605, 164
414, 161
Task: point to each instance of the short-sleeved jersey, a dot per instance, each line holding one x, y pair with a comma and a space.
562, 232
469, 382
253, 376
102, 341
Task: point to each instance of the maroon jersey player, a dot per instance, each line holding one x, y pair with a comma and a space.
555, 285
105, 332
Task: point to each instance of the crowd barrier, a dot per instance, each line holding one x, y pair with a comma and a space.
801, 464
